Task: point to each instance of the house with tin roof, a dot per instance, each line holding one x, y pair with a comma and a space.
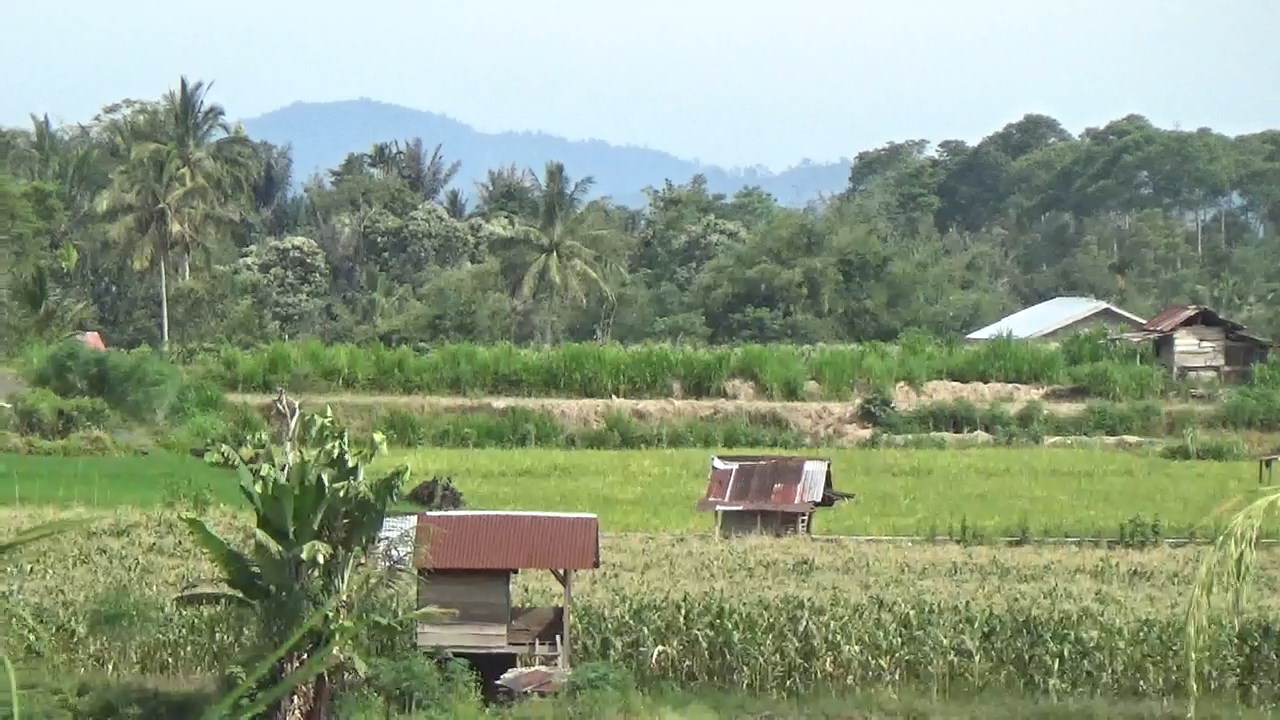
465, 560
768, 494
1059, 317
1196, 342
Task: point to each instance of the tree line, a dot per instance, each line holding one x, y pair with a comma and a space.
159, 221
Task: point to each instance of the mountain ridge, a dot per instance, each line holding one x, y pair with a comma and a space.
322, 133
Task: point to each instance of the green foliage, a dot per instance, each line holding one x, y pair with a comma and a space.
77, 444
140, 385
42, 414
779, 372
317, 515
1030, 422
1193, 446
522, 427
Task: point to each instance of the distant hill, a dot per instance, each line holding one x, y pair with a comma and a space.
323, 133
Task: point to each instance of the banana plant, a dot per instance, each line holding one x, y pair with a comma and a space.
318, 515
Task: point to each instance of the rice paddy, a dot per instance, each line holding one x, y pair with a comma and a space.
981, 492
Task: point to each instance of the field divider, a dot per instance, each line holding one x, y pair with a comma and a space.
940, 540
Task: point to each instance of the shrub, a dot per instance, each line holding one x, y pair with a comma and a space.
42, 414
1192, 446
140, 385
438, 493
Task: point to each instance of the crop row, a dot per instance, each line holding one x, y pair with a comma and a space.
778, 372
782, 617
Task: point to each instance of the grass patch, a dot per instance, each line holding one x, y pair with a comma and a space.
1049, 492
109, 481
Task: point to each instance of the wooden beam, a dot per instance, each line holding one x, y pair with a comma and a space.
559, 576
568, 605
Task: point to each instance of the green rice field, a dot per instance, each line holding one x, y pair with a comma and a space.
1043, 492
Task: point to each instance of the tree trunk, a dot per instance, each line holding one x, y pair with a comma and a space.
308, 700
164, 304
1199, 233
186, 266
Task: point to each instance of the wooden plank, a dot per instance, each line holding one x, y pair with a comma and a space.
463, 635
1206, 332
568, 606
534, 624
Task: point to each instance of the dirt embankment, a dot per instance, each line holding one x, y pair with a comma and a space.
835, 420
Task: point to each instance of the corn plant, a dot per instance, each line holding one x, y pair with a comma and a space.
27, 537
1229, 568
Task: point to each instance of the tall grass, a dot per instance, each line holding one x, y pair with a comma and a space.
779, 372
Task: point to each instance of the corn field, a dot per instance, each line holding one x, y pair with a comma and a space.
779, 617
778, 372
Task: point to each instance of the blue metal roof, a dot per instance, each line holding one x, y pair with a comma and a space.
1046, 317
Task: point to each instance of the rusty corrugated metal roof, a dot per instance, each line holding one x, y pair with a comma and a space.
1175, 316
507, 540
789, 483
92, 338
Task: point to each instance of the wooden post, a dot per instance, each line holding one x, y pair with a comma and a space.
568, 603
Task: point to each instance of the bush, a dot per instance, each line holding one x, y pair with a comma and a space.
524, 427
1029, 423
42, 414
1192, 446
79, 444
438, 493
140, 385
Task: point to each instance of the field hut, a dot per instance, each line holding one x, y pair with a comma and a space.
1194, 341
768, 494
466, 558
1057, 318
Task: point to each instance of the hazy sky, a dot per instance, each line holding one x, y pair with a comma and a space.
735, 82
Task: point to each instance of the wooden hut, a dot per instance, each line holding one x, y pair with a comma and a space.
768, 494
1194, 341
466, 558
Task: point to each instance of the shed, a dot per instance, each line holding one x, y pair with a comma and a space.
466, 558
1194, 341
768, 493
1053, 319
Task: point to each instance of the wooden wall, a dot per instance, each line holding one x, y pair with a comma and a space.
746, 522
1204, 352
482, 604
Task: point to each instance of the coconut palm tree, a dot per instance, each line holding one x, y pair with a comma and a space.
211, 155
184, 178
556, 255
151, 208
426, 175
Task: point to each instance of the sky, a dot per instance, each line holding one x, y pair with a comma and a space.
731, 82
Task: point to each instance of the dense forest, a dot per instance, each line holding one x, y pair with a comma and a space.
158, 221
